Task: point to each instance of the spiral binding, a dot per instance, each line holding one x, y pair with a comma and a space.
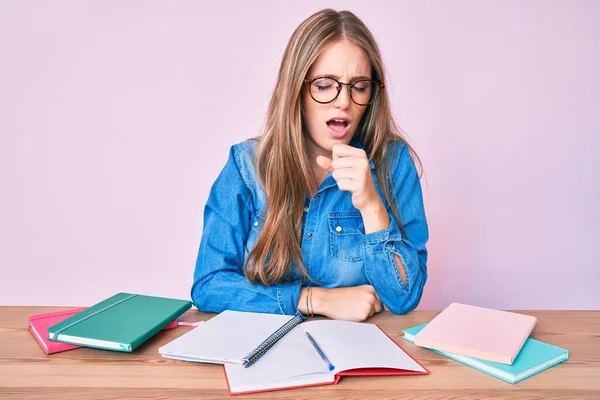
262, 348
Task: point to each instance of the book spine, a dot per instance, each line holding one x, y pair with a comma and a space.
77, 318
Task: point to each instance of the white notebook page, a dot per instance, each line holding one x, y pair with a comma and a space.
225, 338
351, 345
291, 361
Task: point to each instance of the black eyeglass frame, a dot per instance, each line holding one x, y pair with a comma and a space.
340, 84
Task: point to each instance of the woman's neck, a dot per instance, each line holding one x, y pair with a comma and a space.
319, 173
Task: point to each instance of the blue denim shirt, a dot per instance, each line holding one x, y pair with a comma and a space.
335, 249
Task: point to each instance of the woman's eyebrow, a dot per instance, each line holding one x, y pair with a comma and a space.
355, 78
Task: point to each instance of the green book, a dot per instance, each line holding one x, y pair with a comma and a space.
121, 323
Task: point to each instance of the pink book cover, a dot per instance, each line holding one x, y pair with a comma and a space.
39, 324
479, 332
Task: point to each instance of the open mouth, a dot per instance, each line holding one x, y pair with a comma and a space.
337, 125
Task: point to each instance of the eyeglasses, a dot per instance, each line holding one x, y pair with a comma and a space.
362, 92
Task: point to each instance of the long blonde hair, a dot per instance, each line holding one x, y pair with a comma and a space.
283, 163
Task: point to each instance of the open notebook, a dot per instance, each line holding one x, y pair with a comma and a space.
353, 349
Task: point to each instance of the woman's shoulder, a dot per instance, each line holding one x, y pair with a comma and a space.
400, 153
243, 154
396, 148
245, 149
400, 160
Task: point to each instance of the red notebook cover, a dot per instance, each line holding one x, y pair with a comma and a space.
354, 372
39, 324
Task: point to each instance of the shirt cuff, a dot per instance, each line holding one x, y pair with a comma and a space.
287, 296
376, 241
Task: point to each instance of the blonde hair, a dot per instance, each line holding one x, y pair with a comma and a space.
283, 164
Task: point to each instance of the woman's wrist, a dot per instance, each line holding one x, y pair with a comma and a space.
302, 305
312, 301
375, 217
317, 301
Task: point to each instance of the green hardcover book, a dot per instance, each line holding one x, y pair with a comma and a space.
121, 322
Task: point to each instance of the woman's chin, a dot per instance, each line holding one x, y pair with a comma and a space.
325, 142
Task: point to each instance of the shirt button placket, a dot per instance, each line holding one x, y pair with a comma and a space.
310, 234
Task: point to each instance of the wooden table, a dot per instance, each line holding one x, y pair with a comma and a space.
26, 372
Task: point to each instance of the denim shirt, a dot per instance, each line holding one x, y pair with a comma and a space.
335, 250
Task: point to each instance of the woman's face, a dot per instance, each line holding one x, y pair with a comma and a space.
335, 122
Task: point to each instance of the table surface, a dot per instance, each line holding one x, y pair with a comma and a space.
26, 372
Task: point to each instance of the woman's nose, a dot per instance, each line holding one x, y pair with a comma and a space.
343, 99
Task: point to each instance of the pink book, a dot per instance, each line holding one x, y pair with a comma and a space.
39, 324
479, 332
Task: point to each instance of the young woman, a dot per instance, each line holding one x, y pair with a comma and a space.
323, 212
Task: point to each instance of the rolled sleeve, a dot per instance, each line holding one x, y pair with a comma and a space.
382, 246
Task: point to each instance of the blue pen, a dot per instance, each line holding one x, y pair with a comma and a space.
323, 356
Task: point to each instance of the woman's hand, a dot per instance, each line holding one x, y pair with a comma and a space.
351, 170
355, 303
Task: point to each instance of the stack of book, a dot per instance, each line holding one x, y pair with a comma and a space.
121, 322
493, 341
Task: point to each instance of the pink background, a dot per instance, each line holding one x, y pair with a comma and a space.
116, 117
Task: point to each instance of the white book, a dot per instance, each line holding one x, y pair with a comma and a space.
351, 348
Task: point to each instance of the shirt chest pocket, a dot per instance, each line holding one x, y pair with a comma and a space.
346, 232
